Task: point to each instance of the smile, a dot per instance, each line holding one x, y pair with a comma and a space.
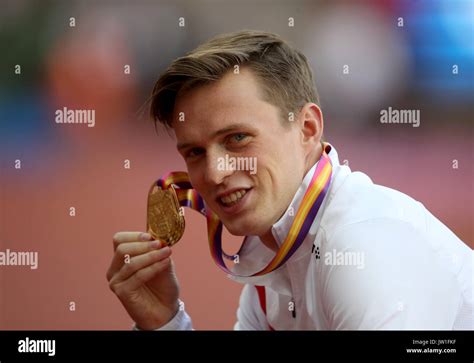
234, 201
233, 198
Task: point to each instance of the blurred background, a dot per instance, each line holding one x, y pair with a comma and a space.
400, 54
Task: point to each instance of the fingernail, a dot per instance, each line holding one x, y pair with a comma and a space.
155, 244
145, 237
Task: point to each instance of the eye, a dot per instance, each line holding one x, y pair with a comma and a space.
194, 152
238, 137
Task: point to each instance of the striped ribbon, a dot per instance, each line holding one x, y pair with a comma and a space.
312, 200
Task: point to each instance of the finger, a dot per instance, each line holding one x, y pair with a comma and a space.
125, 251
146, 274
142, 261
122, 237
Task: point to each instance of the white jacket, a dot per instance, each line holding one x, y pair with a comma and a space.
374, 258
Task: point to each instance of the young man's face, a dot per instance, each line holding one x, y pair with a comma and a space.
226, 120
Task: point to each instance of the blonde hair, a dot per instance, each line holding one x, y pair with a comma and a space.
283, 72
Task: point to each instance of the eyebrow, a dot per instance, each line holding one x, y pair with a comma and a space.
225, 130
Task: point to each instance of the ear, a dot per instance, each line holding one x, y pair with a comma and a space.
311, 124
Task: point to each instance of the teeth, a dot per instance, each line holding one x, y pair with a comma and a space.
233, 197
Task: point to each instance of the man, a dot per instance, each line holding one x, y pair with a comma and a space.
371, 257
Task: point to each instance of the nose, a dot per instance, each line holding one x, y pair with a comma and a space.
217, 168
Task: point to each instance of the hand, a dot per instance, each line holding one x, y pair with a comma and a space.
142, 276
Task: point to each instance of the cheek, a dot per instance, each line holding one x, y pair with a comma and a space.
280, 148
268, 178
196, 178
277, 176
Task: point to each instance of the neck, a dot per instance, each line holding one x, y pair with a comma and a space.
313, 157
267, 238
269, 241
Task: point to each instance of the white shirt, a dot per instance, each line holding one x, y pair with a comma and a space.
374, 258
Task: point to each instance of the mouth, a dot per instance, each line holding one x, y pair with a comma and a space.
233, 201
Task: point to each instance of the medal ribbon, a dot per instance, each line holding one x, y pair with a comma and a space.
312, 200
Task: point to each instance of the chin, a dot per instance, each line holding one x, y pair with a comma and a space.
248, 227
236, 229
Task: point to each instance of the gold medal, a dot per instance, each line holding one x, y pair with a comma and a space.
164, 220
